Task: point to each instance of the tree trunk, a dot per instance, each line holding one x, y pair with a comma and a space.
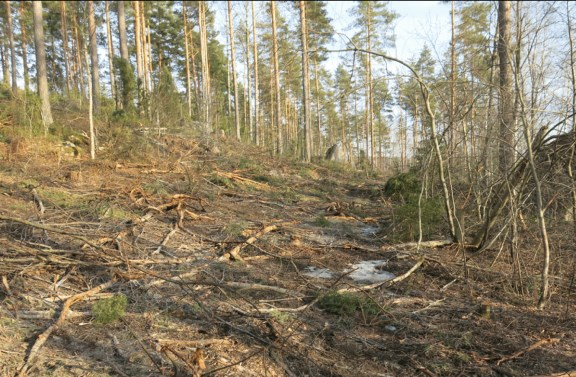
24, 42
256, 84
278, 109
95, 72
111, 56
91, 99
370, 108
305, 83
122, 31
206, 98
138, 45
64, 31
41, 76
187, 60
12, 49
506, 105
319, 145
234, 78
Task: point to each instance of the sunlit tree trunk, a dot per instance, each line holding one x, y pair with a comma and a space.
278, 109
12, 48
111, 55
41, 75
138, 45
206, 97
65, 50
95, 72
506, 105
24, 42
256, 83
187, 60
122, 31
305, 83
234, 78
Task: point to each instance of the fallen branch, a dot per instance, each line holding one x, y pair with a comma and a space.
534, 346
234, 254
42, 338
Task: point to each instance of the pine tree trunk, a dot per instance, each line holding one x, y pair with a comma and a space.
95, 72
256, 83
278, 106
234, 78
24, 42
122, 31
206, 98
319, 145
305, 83
64, 31
187, 60
138, 45
113, 89
12, 48
41, 75
506, 106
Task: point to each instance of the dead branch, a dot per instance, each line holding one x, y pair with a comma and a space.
236, 177
42, 338
532, 347
570, 373
234, 253
193, 343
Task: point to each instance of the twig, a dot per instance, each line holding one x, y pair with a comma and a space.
534, 346
234, 253
42, 338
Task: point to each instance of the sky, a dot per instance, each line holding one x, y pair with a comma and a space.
419, 23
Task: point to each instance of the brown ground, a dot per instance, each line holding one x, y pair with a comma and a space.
162, 231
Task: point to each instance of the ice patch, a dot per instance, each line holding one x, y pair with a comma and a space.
369, 271
319, 273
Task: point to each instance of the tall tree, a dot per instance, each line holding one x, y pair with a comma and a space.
95, 72
234, 78
506, 104
305, 83
12, 49
123, 39
368, 17
110, 54
256, 83
64, 32
41, 76
206, 91
277, 103
24, 44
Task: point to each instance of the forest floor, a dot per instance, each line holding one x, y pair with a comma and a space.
234, 263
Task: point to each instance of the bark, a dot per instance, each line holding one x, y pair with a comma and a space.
370, 109
187, 60
24, 41
95, 72
256, 84
305, 83
138, 45
122, 31
12, 48
206, 100
41, 75
111, 56
506, 106
277, 102
234, 78
64, 31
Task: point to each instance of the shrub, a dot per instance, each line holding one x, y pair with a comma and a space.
110, 309
346, 304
